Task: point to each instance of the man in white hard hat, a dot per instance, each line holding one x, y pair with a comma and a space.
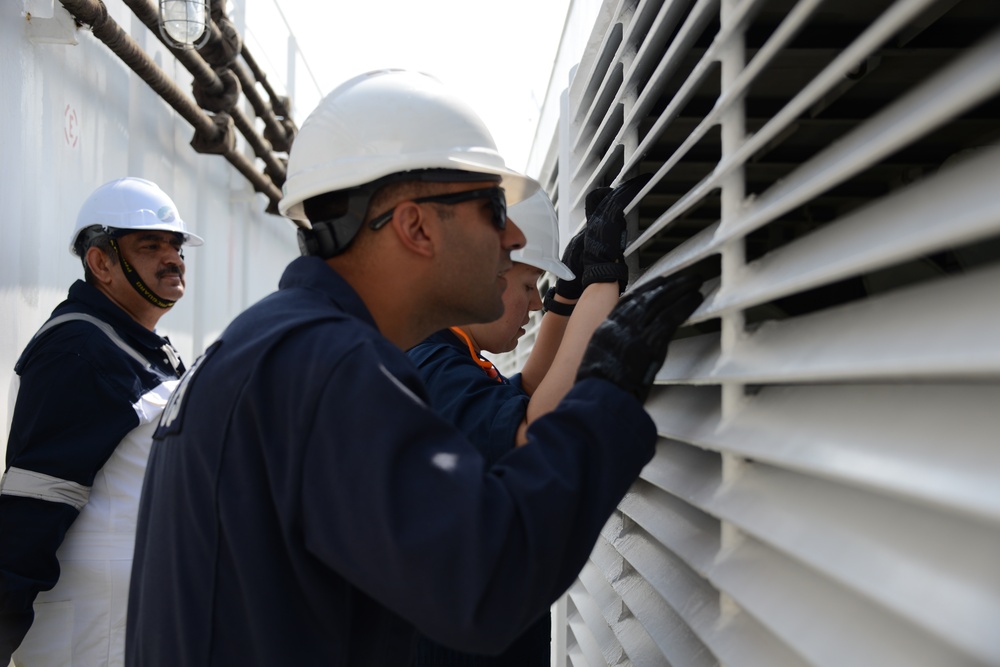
91, 384
494, 411
303, 504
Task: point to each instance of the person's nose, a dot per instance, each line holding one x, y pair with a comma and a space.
512, 237
173, 255
534, 301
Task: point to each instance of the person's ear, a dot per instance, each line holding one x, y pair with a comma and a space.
416, 230
100, 265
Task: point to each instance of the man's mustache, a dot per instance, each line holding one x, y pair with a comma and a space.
170, 268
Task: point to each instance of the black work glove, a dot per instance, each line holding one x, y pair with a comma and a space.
629, 347
573, 255
604, 243
573, 259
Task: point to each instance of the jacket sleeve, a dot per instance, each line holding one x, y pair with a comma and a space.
412, 518
67, 421
487, 412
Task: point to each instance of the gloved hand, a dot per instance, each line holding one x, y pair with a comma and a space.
604, 243
629, 347
573, 255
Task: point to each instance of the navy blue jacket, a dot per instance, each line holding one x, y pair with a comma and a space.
488, 411
303, 505
74, 405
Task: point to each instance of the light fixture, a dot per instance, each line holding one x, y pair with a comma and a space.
184, 23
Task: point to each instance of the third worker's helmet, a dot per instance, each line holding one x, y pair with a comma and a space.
536, 217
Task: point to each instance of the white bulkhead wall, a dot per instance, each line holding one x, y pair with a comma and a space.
74, 117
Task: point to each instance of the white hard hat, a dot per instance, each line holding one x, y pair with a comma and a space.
536, 217
388, 122
133, 204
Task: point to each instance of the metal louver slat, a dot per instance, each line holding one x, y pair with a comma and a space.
956, 88
691, 251
610, 89
828, 625
934, 569
895, 335
692, 534
915, 221
831, 76
934, 444
678, 47
596, 640
826, 485
892, 336
699, 16
792, 23
692, 360
671, 600
647, 610
637, 645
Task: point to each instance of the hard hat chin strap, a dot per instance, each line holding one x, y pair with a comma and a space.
136, 282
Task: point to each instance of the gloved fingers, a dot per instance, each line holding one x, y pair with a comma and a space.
662, 287
594, 199
622, 195
596, 248
573, 256
660, 296
667, 319
574, 242
671, 288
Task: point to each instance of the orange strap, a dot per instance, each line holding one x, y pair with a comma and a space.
485, 364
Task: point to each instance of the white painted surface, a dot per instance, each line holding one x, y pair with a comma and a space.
75, 117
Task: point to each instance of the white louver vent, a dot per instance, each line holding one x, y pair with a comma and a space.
826, 490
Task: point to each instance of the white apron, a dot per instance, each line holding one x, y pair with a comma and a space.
81, 621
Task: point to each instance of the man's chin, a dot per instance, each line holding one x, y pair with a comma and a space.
171, 291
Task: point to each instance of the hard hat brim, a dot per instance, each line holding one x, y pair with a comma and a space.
517, 187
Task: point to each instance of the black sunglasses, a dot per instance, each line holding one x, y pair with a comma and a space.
495, 195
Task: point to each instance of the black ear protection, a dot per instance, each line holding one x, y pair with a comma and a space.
308, 245
329, 238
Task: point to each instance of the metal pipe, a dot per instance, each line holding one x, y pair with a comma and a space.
209, 80
194, 63
261, 146
260, 106
95, 14
208, 131
249, 85
276, 101
261, 182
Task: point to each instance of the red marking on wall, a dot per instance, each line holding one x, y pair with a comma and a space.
71, 127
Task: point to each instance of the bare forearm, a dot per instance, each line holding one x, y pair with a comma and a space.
550, 336
593, 307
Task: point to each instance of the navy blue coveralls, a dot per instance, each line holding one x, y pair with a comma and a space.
303, 505
80, 394
488, 411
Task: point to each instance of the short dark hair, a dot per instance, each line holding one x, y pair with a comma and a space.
94, 236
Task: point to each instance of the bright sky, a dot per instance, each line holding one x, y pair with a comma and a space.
498, 55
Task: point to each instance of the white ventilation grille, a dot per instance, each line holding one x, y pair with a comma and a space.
826, 490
